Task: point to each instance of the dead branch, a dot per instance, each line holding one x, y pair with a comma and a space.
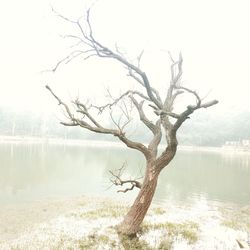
139, 59
84, 110
60, 102
142, 115
154, 143
209, 104
117, 100
96, 48
198, 99
163, 112
132, 74
117, 180
96, 127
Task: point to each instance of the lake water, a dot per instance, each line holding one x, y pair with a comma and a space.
34, 171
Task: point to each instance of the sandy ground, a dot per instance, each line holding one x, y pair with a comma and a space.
17, 218
60, 224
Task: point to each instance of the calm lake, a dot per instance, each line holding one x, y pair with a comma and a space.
33, 171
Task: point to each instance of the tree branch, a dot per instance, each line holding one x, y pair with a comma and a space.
97, 127
116, 100
142, 115
198, 99
60, 102
153, 145
117, 180
163, 112
98, 49
190, 109
155, 128
83, 109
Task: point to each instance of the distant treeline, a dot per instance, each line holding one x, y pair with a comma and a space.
204, 129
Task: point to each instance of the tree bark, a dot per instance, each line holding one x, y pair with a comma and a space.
132, 221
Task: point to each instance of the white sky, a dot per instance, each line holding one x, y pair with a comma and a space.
213, 36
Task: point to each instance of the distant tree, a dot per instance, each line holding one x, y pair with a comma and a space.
165, 121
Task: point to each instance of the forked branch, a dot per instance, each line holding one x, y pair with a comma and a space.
95, 48
118, 181
95, 126
118, 99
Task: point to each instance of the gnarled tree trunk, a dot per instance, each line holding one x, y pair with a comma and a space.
132, 221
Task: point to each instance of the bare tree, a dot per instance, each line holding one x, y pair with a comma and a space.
166, 121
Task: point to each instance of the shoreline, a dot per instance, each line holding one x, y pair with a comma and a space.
101, 143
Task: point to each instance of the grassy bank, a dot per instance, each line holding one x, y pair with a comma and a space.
87, 223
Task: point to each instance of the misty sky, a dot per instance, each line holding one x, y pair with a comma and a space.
213, 37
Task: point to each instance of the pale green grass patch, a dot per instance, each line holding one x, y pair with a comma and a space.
187, 230
238, 219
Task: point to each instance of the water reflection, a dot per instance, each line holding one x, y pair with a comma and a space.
207, 174
34, 171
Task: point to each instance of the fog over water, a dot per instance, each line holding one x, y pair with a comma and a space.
31, 172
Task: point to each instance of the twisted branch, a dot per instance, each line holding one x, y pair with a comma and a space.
117, 180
